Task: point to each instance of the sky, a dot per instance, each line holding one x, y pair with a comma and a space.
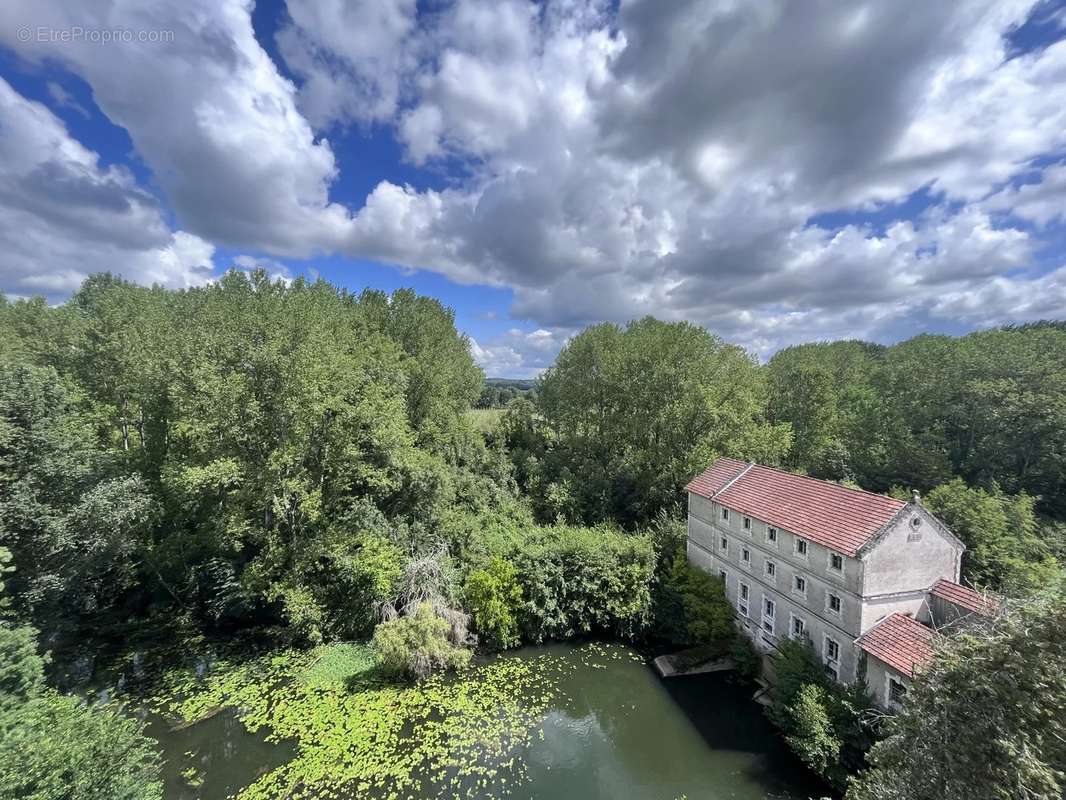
777, 172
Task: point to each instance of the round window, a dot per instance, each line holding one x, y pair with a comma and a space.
916, 522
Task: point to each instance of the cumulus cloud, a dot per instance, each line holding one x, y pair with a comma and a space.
64, 216
618, 161
519, 354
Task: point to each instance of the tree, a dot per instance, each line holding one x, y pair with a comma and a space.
494, 599
416, 646
692, 608
1004, 550
635, 412
987, 719
54, 747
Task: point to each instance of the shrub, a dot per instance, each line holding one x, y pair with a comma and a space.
493, 597
583, 580
746, 658
52, 746
415, 646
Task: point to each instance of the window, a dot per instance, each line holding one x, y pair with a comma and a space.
725, 543
747, 523
832, 603
798, 628
831, 655
723, 575
742, 602
896, 691
799, 584
771, 535
725, 514
801, 547
771, 569
832, 651
836, 562
745, 556
768, 610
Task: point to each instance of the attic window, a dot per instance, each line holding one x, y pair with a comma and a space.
747, 523
725, 513
801, 547
836, 562
771, 534
916, 522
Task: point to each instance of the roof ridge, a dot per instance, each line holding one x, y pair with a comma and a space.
734, 479
825, 482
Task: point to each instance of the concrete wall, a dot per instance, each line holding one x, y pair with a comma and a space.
877, 673
706, 529
877, 608
910, 557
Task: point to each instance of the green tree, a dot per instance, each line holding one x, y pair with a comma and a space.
494, 598
1005, 550
987, 719
635, 412
416, 646
692, 608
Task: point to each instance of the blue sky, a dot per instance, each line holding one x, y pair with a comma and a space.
775, 174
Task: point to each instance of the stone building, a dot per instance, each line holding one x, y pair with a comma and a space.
852, 571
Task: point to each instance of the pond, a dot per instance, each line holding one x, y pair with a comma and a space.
546, 723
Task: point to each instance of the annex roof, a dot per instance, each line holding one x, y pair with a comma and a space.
835, 516
900, 641
964, 597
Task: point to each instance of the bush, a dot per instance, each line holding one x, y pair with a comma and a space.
692, 607
54, 747
493, 597
416, 646
746, 658
823, 722
583, 580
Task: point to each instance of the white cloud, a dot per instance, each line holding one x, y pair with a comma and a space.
63, 216
519, 354
653, 158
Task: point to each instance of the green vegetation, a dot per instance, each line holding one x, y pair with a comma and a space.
828, 725
986, 719
417, 645
54, 747
442, 737
255, 455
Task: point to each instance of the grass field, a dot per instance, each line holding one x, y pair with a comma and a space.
485, 420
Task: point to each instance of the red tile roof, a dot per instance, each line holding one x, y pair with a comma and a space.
900, 641
721, 472
964, 597
832, 515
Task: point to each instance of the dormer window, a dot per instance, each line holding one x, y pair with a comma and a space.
801, 547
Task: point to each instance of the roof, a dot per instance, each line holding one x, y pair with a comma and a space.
900, 641
712, 480
835, 516
964, 597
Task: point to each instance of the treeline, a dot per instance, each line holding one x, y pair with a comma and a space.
629, 414
499, 392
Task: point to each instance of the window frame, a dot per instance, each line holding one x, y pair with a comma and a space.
725, 513
890, 681
724, 544
747, 524
744, 599
805, 553
829, 660
839, 612
772, 535
829, 563
797, 578
745, 557
769, 617
792, 620
769, 569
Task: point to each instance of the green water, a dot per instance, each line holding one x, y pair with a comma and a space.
616, 731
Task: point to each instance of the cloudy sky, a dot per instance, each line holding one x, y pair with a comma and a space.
775, 171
